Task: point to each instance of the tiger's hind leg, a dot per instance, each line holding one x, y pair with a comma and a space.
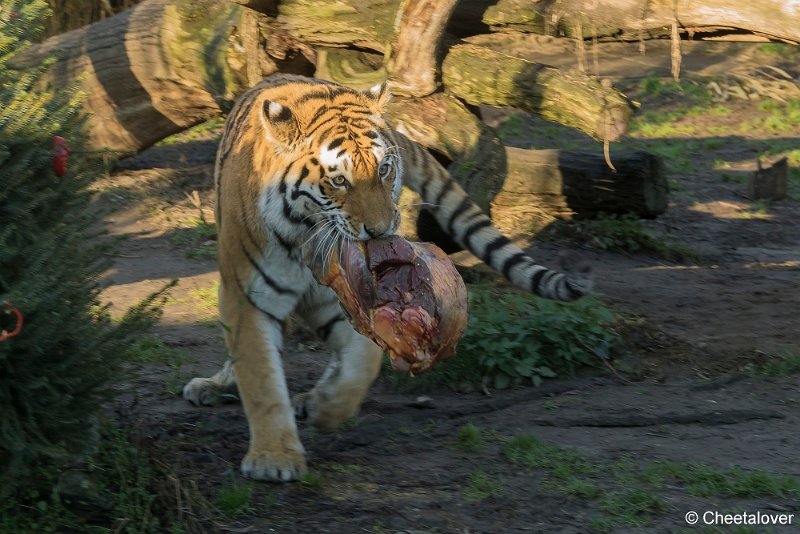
354, 365
209, 391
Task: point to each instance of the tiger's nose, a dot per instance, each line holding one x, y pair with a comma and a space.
376, 231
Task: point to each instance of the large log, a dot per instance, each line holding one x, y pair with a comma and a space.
149, 72
412, 62
543, 184
634, 19
471, 150
481, 75
340, 23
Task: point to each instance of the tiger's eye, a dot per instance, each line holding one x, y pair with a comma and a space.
384, 169
339, 180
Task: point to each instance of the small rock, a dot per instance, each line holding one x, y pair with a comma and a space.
422, 403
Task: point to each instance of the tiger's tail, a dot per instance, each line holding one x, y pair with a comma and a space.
471, 228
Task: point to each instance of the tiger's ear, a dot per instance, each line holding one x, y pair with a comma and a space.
380, 95
279, 122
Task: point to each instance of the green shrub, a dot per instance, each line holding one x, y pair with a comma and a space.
517, 339
52, 375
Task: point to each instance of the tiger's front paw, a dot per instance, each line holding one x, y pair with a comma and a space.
274, 466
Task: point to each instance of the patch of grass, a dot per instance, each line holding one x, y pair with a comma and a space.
204, 130
632, 507
235, 499
712, 143
655, 124
676, 154
470, 438
116, 488
529, 451
198, 235
151, 349
631, 497
687, 90
782, 116
515, 339
205, 297
511, 127
579, 487
622, 233
782, 50
311, 481
194, 230
734, 178
480, 486
675, 186
704, 481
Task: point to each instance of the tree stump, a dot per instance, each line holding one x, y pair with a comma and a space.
770, 183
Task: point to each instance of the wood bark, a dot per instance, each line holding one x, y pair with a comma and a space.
340, 23
770, 182
149, 72
471, 151
561, 184
481, 75
412, 61
634, 19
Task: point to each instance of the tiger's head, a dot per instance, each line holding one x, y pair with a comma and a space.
340, 172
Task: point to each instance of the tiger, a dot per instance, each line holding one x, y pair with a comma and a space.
299, 158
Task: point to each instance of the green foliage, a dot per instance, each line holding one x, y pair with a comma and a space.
198, 237
210, 129
121, 488
480, 486
529, 451
686, 90
514, 338
52, 375
783, 365
623, 233
632, 496
311, 481
150, 349
235, 499
631, 507
704, 481
470, 438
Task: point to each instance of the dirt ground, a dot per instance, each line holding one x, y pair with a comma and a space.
694, 331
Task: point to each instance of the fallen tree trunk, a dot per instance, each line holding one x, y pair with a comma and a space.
481, 75
471, 151
572, 99
634, 19
412, 63
165, 65
561, 184
149, 72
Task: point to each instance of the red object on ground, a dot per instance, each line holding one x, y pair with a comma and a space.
8, 309
60, 155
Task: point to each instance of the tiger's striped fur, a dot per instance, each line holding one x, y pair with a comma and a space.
304, 159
